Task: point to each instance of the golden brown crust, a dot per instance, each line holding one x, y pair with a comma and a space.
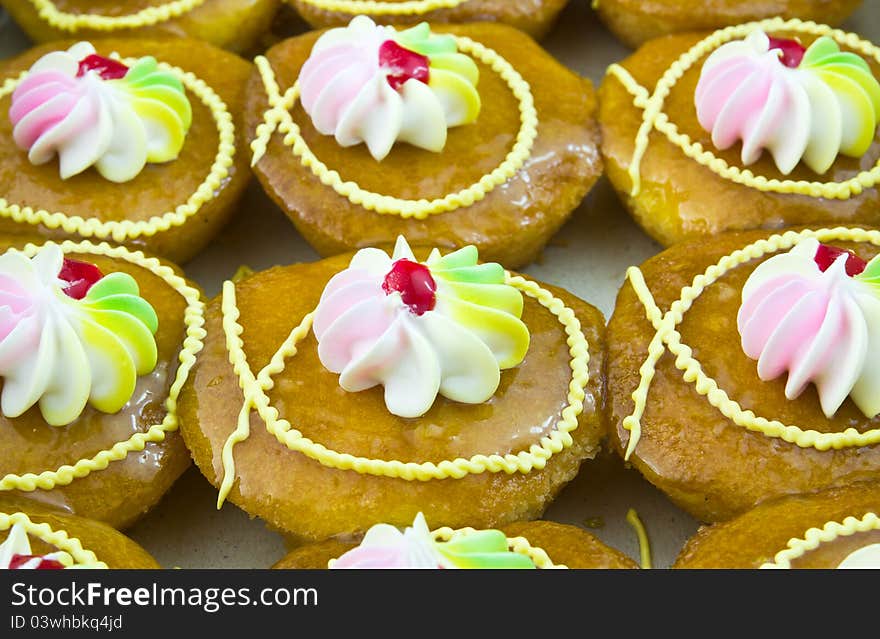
636, 21
112, 547
159, 188
708, 465
566, 545
236, 25
754, 538
680, 199
290, 490
126, 489
534, 17
530, 207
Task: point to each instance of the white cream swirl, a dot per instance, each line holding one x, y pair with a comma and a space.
369, 84
799, 104
95, 111
61, 353
820, 326
447, 326
16, 553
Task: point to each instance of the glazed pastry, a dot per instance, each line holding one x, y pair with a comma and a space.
140, 150
387, 386
744, 367
449, 135
231, 24
635, 22
524, 545
95, 343
33, 537
838, 528
764, 125
535, 17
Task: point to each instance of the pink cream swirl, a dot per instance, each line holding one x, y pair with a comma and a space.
807, 312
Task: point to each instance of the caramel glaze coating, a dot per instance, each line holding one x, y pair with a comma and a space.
159, 187
754, 538
634, 22
567, 545
112, 547
705, 463
535, 17
236, 25
680, 199
511, 225
299, 496
126, 489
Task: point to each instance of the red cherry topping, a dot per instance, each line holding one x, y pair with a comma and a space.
403, 64
414, 283
18, 561
827, 255
80, 277
108, 69
792, 51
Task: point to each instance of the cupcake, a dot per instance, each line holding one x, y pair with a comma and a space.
745, 367
535, 17
95, 344
635, 22
837, 528
390, 384
525, 545
762, 125
231, 24
472, 136
130, 141
33, 537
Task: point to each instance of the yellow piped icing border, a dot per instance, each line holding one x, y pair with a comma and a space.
124, 230
194, 320
519, 545
147, 17
814, 537
254, 390
667, 337
653, 116
278, 117
379, 8
72, 551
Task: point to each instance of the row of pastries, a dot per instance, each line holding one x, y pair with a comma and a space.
409, 400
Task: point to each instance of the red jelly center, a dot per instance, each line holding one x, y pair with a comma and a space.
827, 255
18, 561
414, 283
80, 277
403, 64
108, 69
792, 51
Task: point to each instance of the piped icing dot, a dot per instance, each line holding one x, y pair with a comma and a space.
385, 546
827, 255
808, 106
80, 277
792, 51
414, 283
89, 110
59, 351
107, 68
819, 322
402, 65
34, 561
370, 84
447, 326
